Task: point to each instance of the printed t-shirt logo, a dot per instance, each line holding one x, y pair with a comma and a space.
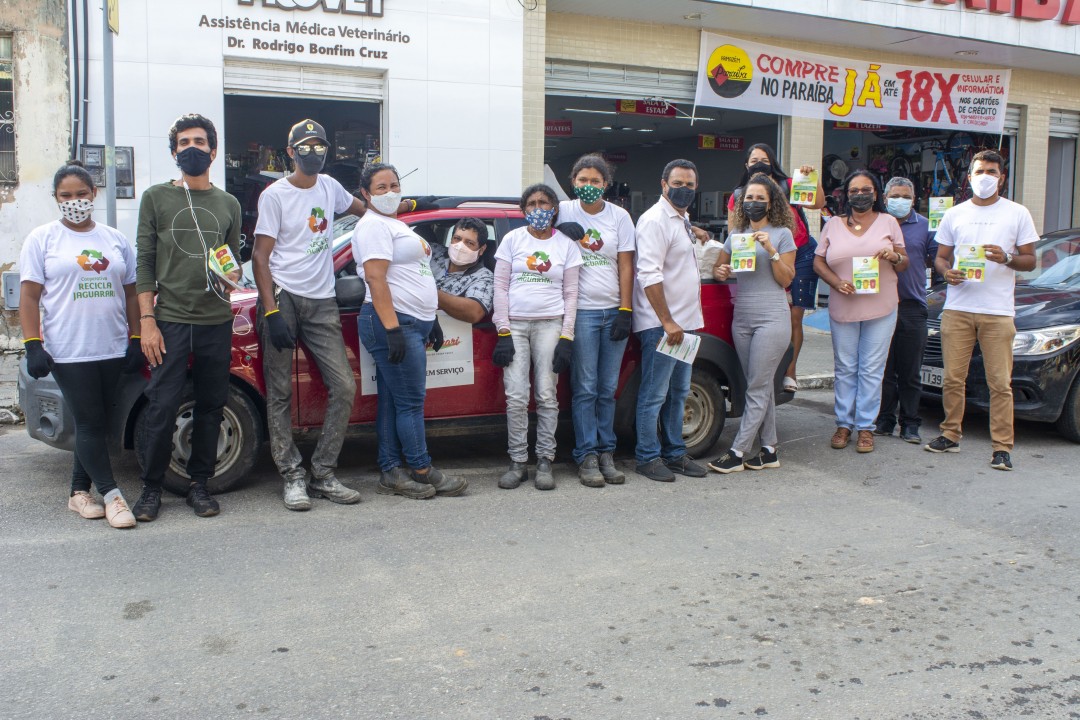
591, 240
317, 223
729, 71
427, 248
92, 260
538, 262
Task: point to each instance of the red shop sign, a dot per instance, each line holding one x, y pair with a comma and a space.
869, 127
720, 142
617, 156
558, 128
658, 108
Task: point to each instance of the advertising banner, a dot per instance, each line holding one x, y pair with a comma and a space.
720, 142
453, 365
743, 75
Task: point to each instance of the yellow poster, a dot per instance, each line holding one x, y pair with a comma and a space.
114, 16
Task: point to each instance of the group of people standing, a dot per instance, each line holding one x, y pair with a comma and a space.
567, 290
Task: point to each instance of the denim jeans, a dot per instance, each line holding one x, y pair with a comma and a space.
534, 348
317, 324
665, 383
859, 353
399, 421
594, 376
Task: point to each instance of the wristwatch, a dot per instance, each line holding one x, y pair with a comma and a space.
1008, 258
775, 257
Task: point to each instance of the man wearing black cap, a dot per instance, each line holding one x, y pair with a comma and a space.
293, 263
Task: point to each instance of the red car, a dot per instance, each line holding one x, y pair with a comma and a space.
453, 406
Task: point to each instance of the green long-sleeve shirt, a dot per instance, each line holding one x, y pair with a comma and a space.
172, 257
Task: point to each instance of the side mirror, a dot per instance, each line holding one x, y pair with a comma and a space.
350, 291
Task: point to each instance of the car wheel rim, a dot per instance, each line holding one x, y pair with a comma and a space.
698, 414
228, 444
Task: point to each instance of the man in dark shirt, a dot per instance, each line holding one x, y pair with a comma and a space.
181, 222
902, 383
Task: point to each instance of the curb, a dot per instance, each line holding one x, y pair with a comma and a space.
823, 381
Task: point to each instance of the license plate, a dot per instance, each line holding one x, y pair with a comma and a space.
933, 376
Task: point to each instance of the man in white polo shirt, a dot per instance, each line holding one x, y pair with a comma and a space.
981, 243
293, 262
667, 305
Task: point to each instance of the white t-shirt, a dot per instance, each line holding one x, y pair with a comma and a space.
1006, 224
301, 221
409, 276
83, 308
608, 233
536, 272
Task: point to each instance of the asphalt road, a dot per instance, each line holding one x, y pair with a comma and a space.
893, 585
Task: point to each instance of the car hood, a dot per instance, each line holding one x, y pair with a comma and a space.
1036, 307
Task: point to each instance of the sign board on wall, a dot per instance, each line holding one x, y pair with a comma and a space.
1067, 11
658, 108
720, 142
558, 128
451, 366
744, 75
616, 156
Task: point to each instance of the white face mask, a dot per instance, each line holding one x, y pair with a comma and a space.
387, 203
462, 254
76, 211
984, 186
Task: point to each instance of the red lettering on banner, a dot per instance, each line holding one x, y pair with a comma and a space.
945, 101
1037, 9
1072, 13
997, 6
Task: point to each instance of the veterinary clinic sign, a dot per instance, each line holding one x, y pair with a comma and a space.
351, 7
750, 76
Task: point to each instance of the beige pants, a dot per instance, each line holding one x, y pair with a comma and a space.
994, 333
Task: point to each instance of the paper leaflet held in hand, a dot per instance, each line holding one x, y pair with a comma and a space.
221, 263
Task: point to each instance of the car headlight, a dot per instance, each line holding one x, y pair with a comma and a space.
1044, 340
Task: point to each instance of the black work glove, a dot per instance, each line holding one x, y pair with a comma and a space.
563, 351
395, 340
620, 329
572, 230
280, 335
38, 362
504, 351
134, 360
435, 337
428, 202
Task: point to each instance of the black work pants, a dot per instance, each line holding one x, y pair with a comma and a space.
902, 385
210, 347
89, 390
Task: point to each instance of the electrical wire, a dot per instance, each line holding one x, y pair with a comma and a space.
211, 283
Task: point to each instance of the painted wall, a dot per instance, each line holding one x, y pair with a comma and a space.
42, 128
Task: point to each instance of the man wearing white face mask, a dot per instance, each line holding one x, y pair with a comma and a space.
901, 386
294, 269
995, 237
466, 287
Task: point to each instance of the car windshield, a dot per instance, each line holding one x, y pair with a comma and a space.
1057, 262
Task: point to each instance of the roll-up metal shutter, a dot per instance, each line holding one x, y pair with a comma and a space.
247, 77
1064, 124
563, 77
1012, 120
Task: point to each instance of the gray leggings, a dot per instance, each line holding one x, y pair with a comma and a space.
762, 336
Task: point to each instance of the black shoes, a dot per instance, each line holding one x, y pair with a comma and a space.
1001, 460
201, 502
941, 444
884, 429
729, 462
656, 470
149, 503
910, 434
764, 459
513, 477
685, 466
589, 472
545, 478
398, 481
445, 485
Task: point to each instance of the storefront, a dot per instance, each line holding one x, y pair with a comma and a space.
639, 54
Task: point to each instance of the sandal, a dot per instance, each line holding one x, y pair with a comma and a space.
790, 384
865, 442
840, 438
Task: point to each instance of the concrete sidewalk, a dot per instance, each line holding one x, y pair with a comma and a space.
815, 368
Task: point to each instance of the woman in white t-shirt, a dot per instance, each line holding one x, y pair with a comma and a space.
78, 310
395, 325
536, 286
605, 288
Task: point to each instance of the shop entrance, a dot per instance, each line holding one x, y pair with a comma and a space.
1061, 170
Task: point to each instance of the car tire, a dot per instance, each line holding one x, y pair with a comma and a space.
238, 443
705, 412
1069, 422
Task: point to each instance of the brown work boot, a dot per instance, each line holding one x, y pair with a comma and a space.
865, 442
840, 438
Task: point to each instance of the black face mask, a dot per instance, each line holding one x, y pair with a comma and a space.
755, 210
193, 162
759, 167
681, 197
860, 203
310, 164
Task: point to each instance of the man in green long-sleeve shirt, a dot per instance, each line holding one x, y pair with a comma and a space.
181, 223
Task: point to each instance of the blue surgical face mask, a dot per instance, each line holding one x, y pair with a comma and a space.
539, 219
899, 208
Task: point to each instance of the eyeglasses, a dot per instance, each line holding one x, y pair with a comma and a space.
862, 191
306, 149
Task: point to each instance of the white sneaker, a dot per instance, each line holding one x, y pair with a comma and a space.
84, 503
118, 514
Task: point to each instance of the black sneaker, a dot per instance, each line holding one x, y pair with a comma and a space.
883, 429
764, 459
942, 444
1001, 460
729, 462
910, 434
148, 504
201, 502
656, 470
685, 466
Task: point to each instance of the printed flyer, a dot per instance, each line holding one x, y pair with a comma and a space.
743, 252
804, 188
971, 260
937, 208
865, 275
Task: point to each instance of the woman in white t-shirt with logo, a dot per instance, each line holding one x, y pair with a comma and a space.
605, 288
395, 325
78, 310
536, 287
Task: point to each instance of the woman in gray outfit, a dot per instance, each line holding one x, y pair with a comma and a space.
760, 253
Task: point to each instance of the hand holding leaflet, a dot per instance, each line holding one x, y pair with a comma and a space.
684, 351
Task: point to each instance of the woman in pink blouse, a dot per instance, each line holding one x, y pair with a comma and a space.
860, 252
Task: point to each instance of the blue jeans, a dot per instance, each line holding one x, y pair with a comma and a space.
665, 383
399, 420
859, 353
594, 376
